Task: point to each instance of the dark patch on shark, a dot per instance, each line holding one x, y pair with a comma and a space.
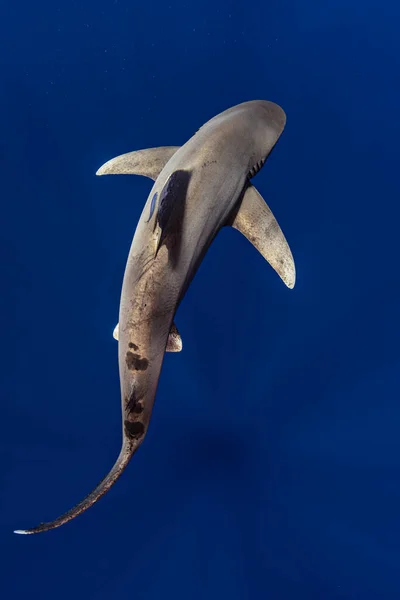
134, 404
171, 213
134, 430
135, 362
133, 346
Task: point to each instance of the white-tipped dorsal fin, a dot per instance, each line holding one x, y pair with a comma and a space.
174, 343
149, 162
255, 220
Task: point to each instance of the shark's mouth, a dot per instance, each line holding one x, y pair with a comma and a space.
254, 170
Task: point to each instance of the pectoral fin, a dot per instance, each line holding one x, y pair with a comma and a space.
257, 223
149, 162
174, 343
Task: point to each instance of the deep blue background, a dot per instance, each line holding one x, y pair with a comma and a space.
271, 469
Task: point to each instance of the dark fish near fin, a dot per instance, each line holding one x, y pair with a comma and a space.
171, 211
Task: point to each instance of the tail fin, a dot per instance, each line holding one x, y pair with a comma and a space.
127, 451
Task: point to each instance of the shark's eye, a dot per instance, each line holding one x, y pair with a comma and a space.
152, 206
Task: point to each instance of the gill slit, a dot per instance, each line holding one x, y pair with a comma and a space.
255, 169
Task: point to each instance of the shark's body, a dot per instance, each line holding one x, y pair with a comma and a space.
199, 188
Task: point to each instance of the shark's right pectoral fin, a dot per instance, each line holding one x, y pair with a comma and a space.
149, 162
254, 219
174, 343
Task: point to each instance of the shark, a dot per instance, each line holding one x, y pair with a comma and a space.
198, 188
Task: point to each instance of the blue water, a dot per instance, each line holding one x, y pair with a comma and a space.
271, 469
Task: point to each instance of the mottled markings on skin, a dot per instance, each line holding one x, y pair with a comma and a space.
133, 346
134, 430
135, 362
134, 404
138, 408
209, 162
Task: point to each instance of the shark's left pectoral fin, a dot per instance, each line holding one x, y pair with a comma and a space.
255, 220
149, 162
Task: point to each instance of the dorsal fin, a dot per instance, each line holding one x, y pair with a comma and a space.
149, 162
254, 219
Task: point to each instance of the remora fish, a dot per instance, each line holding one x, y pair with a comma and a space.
199, 188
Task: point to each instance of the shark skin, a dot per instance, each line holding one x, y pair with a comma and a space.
198, 188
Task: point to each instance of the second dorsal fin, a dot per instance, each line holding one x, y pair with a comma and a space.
254, 219
149, 162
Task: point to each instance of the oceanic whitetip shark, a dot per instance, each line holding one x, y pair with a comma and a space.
199, 188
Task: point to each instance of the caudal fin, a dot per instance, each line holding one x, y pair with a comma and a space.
127, 451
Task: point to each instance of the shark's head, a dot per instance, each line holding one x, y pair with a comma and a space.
265, 122
258, 125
